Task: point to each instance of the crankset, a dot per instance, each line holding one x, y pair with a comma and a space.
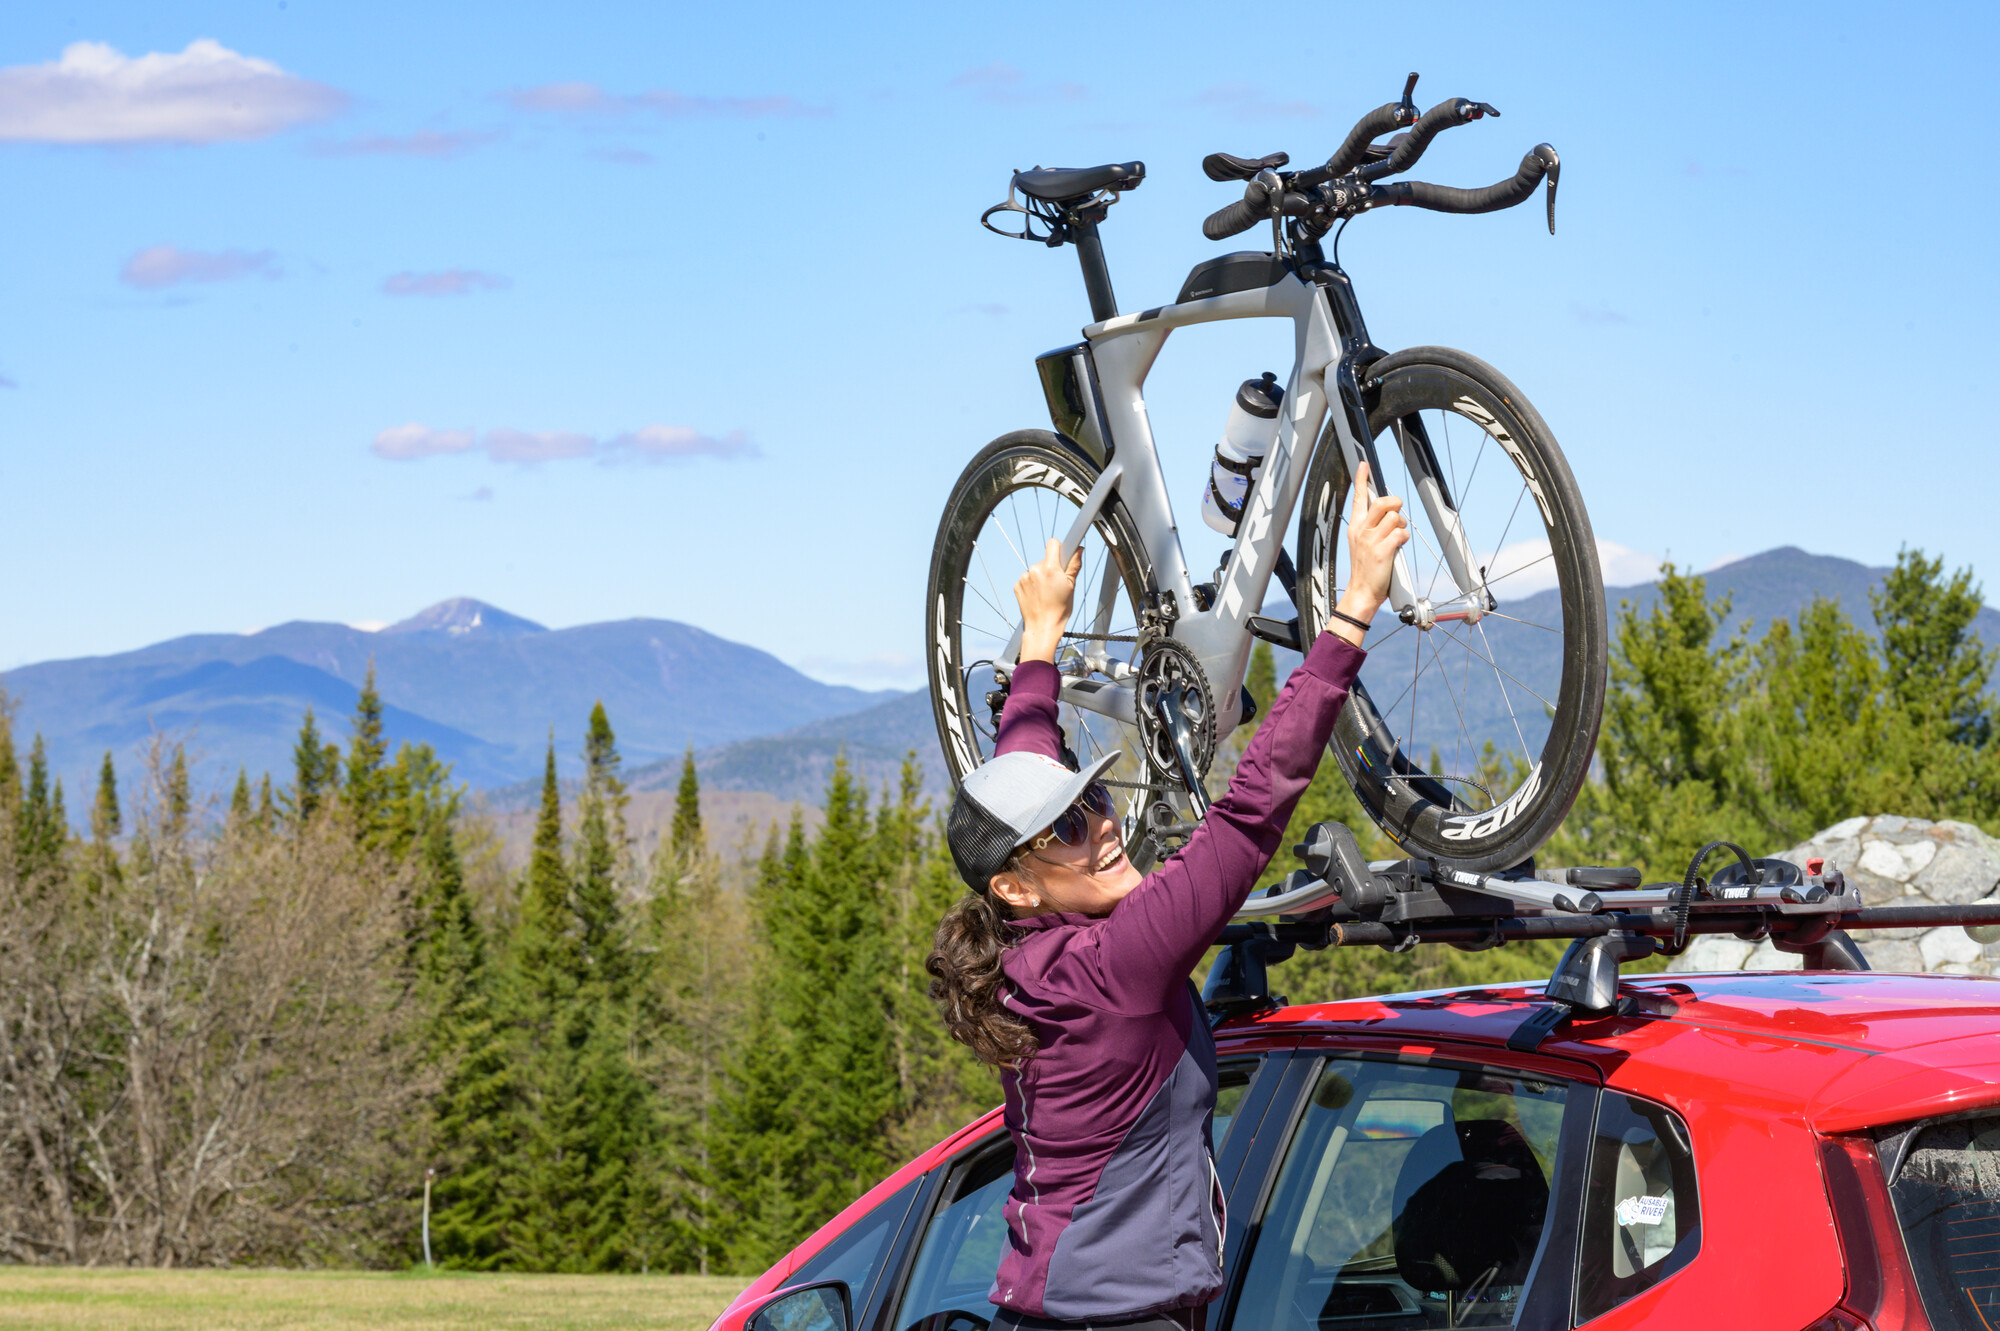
1176, 714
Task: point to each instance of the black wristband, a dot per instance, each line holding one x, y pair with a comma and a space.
1361, 624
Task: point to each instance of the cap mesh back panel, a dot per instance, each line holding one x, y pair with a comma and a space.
980, 841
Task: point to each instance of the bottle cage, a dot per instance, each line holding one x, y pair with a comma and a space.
1051, 215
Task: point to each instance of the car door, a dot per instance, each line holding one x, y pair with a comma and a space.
949, 1263
1411, 1188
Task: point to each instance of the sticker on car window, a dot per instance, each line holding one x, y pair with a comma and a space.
1642, 1211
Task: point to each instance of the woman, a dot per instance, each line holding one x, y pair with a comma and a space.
1068, 971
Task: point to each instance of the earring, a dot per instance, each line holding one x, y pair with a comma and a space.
1034, 902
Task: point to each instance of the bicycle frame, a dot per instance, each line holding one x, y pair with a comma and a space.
1331, 345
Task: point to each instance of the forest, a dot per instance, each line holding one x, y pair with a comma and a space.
249, 1030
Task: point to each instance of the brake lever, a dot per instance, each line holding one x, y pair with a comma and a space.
1547, 156
1409, 99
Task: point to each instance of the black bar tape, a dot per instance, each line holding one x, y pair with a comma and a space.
1457, 111
1366, 130
1232, 220
1447, 199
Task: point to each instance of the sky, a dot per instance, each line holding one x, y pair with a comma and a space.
593, 311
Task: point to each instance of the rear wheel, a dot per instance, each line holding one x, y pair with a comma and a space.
1021, 490
1468, 736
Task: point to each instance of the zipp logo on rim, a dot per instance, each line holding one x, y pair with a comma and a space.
1479, 415
1472, 826
1028, 471
961, 749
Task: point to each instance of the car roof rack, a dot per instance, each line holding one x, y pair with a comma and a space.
1340, 899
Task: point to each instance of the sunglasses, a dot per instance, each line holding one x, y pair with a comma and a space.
1072, 826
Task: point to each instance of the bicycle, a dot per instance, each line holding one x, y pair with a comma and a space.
1154, 660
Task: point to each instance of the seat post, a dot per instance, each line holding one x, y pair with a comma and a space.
1096, 277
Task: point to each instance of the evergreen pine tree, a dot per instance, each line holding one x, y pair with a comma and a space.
686, 838
686, 1018
266, 813
828, 973
753, 1145
10, 766
546, 926
38, 834
366, 790
179, 804
101, 862
312, 773
1675, 764
1935, 672
602, 857
586, 1125
106, 822
239, 802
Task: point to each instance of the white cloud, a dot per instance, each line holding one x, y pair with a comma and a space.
1252, 101
659, 443
536, 445
1522, 568
450, 282
160, 266
369, 625
204, 94
1003, 85
405, 443
589, 99
430, 143
650, 443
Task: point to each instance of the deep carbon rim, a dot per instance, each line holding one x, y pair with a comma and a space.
1021, 490
1543, 671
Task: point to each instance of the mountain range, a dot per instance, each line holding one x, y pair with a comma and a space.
486, 689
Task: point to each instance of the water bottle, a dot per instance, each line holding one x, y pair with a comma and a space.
1246, 438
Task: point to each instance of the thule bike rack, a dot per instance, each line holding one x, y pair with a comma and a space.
1338, 899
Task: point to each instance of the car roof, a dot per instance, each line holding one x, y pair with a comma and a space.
1883, 1046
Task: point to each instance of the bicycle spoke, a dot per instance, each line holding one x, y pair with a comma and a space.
981, 595
1498, 669
1501, 544
1465, 500
1503, 693
1515, 619
1444, 673
1523, 568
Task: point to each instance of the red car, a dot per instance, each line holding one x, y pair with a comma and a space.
1800, 1151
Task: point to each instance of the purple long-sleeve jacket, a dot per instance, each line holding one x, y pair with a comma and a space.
1116, 1210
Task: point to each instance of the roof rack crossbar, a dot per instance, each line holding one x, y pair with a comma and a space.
1339, 900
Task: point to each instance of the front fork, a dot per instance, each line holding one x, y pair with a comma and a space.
1357, 353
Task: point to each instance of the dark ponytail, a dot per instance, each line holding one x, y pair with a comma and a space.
966, 983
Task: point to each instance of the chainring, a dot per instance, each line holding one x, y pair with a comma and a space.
1165, 664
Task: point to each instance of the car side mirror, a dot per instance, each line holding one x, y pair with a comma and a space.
826, 1306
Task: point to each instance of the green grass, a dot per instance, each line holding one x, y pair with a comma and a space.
147, 1300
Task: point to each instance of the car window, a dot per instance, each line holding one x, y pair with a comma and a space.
1233, 1083
1641, 1215
1947, 1196
1411, 1195
856, 1254
961, 1252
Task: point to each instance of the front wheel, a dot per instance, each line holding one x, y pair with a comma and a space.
1476, 716
1021, 490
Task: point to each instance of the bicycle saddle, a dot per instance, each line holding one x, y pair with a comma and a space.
1058, 184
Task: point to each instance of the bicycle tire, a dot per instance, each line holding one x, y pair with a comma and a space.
960, 678
1424, 815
